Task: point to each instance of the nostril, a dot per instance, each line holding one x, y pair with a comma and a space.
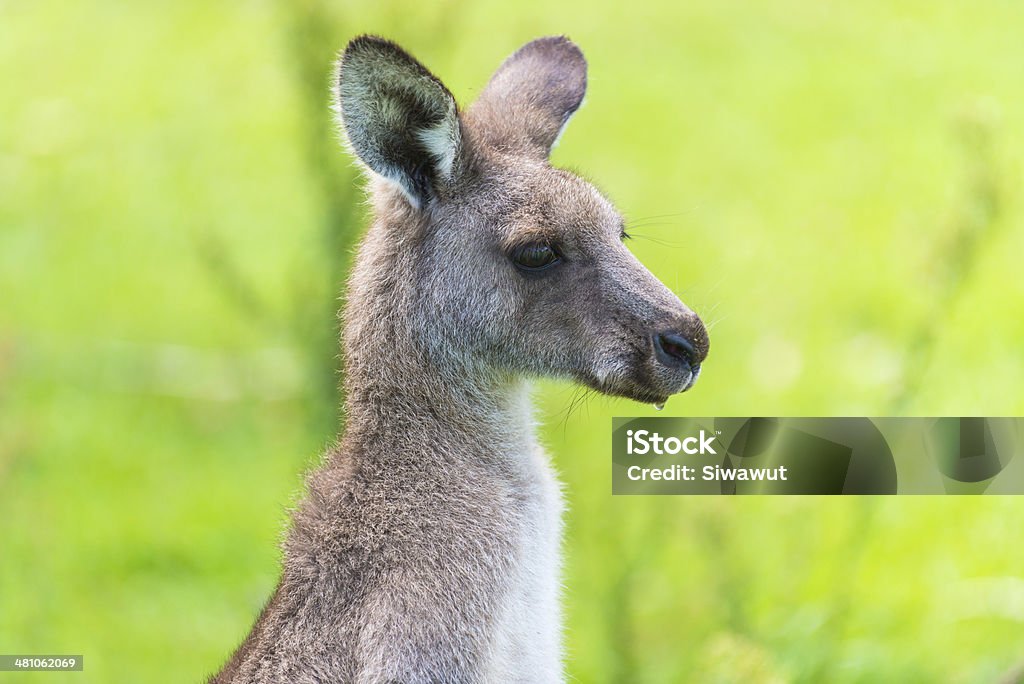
672, 349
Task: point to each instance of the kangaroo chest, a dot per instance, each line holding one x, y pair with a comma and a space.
527, 635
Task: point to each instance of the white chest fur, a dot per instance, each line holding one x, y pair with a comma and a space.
527, 640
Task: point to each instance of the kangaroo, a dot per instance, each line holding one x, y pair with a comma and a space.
427, 546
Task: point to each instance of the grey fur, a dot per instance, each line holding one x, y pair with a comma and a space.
426, 549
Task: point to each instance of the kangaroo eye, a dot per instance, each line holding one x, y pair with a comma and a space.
535, 257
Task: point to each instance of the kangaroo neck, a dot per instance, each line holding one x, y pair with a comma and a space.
394, 392
400, 416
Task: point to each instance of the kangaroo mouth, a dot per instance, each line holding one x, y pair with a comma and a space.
694, 374
647, 387
665, 363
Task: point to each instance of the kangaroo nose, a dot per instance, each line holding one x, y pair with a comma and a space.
675, 350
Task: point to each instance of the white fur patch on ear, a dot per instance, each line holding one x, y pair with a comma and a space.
442, 142
394, 177
398, 118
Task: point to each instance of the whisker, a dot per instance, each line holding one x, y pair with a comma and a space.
711, 309
670, 214
645, 224
715, 322
580, 394
658, 241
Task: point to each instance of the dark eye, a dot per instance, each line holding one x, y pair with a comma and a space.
535, 257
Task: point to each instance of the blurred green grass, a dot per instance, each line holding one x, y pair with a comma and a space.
835, 187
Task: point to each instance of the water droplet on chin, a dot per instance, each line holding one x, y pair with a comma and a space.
659, 406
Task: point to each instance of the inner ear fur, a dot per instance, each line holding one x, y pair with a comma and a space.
399, 118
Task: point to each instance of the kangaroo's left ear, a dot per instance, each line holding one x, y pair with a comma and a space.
399, 118
531, 96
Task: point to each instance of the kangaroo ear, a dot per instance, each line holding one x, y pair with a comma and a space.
399, 118
531, 97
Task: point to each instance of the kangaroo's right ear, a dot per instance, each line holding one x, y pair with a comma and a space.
531, 96
399, 118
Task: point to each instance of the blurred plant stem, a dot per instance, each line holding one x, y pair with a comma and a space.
972, 223
312, 42
315, 33
311, 45
834, 631
625, 585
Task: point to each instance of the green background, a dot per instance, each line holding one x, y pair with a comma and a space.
836, 188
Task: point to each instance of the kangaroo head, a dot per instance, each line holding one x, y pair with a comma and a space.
510, 267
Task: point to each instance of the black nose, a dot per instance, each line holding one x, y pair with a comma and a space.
675, 351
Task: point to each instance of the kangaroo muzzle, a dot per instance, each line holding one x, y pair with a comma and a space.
680, 349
